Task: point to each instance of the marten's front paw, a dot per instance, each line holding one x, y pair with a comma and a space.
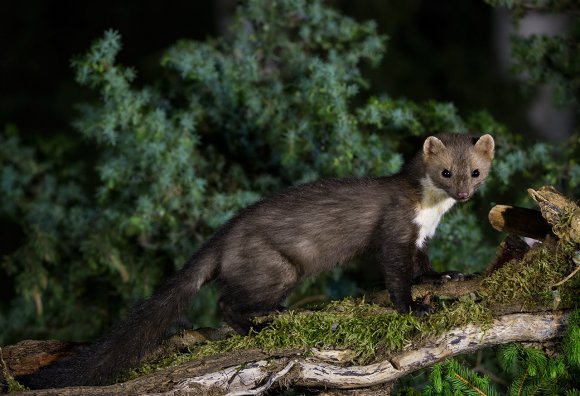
453, 276
440, 277
420, 309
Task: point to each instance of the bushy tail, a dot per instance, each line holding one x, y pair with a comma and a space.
134, 339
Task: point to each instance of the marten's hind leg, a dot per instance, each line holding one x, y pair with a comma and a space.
243, 321
254, 285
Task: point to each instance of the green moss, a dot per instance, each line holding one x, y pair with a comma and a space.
9, 384
369, 330
530, 281
15, 386
373, 332
349, 324
458, 314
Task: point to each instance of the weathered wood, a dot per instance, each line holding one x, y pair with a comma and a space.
508, 328
28, 356
168, 379
380, 390
519, 221
253, 372
562, 213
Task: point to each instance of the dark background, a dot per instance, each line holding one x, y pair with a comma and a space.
440, 50
39, 38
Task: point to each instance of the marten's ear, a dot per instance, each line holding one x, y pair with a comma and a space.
485, 145
432, 146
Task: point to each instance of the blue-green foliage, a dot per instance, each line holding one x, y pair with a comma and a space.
280, 94
161, 165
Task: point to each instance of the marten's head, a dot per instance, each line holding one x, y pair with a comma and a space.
458, 164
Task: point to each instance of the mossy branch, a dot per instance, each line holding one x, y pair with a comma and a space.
252, 371
356, 344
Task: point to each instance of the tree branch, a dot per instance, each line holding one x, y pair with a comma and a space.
253, 372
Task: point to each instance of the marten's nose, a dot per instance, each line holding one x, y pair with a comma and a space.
462, 195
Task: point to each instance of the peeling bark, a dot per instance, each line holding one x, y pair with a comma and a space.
253, 372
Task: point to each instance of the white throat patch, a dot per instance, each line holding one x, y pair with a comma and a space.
434, 203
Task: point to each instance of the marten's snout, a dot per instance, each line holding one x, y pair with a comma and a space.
462, 195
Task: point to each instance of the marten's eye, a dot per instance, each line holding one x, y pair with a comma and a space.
475, 173
446, 173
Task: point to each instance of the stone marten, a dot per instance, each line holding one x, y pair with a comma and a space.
262, 253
